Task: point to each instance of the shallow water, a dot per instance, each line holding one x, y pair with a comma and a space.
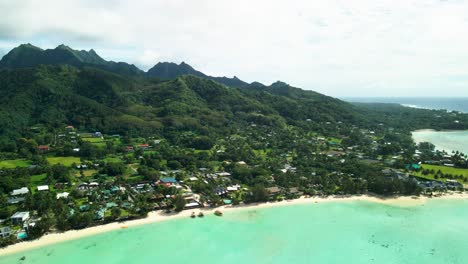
330, 232
444, 140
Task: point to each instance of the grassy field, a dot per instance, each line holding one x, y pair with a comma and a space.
11, 164
89, 173
67, 161
112, 159
334, 140
444, 170
93, 140
38, 179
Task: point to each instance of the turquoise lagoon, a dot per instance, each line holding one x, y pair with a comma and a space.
327, 232
444, 140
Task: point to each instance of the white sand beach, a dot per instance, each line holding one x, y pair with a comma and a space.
160, 216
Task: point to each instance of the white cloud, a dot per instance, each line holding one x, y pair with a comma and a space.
338, 47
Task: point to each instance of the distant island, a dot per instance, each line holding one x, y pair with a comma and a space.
85, 142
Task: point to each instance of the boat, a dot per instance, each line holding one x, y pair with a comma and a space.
218, 213
200, 214
192, 215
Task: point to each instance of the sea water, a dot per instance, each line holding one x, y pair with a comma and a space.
444, 140
447, 103
327, 232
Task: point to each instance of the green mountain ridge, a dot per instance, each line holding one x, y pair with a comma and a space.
82, 89
27, 55
169, 70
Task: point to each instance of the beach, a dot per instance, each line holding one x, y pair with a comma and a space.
160, 216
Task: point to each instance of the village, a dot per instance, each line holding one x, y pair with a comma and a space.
82, 179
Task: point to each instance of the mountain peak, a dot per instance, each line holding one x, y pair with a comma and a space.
170, 70
63, 46
278, 84
27, 55
29, 46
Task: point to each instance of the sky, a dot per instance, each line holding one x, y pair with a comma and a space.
341, 48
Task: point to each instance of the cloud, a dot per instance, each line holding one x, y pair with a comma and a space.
338, 47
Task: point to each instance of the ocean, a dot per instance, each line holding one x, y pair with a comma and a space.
447, 103
328, 232
444, 140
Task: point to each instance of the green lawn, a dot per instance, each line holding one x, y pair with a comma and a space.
334, 140
38, 179
112, 159
67, 161
95, 141
444, 170
11, 164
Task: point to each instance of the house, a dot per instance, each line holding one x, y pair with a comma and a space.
223, 174
129, 148
295, 191
21, 191
83, 186
453, 184
43, 188
273, 191
413, 166
168, 180
233, 188
220, 191
43, 148
143, 146
97, 134
333, 153
19, 217
69, 127
60, 185
62, 195
82, 166
192, 204
16, 199
5, 231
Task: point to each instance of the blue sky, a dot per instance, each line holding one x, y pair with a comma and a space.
338, 47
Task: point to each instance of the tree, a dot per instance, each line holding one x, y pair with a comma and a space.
115, 212
179, 203
60, 173
259, 194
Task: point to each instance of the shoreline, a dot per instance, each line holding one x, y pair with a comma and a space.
160, 216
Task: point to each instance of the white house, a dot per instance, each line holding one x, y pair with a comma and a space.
62, 195
43, 188
21, 191
5, 231
19, 217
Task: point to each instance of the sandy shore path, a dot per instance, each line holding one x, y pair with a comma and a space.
159, 216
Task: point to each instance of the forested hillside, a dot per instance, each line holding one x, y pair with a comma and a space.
64, 86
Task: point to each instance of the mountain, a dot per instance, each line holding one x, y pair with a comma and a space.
82, 89
27, 55
169, 70
95, 99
